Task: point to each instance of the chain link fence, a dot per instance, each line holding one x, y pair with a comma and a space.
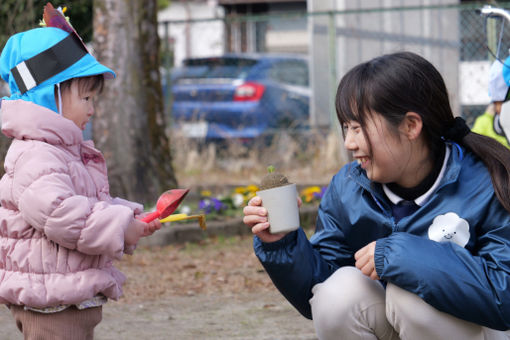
256, 106
204, 92
456, 38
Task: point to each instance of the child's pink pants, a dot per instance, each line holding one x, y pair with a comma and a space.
71, 323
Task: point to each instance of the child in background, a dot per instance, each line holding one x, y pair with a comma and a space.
411, 240
489, 123
59, 228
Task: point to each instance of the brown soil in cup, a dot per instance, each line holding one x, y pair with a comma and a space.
273, 180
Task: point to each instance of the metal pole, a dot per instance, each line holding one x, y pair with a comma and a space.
333, 83
332, 65
492, 36
168, 87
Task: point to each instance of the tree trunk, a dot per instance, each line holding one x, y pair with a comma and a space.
15, 16
129, 123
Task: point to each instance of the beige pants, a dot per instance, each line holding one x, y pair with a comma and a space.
71, 323
349, 305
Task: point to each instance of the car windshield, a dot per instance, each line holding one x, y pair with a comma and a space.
225, 68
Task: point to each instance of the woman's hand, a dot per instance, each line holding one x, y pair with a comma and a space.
365, 261
255, 217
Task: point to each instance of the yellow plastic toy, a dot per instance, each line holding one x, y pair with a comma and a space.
181, 217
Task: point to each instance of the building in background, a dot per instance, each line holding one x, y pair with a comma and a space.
196, 28
361, 34
191, 28
278, 26
338, 34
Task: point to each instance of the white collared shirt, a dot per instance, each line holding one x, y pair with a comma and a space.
421, 200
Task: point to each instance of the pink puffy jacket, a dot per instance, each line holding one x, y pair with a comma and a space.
59, 227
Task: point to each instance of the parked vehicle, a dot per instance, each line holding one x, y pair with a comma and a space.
240, 96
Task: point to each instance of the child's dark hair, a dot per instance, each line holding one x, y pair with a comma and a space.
90, 83
394, 84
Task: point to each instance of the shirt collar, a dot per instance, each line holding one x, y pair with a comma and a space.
421, 200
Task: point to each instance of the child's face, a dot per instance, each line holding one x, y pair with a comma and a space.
76, 106
389, 159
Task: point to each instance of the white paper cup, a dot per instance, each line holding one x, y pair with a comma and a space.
282, 208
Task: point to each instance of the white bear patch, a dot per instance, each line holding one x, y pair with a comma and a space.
449, 228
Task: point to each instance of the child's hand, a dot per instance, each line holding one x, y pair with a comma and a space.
151, 227
134, 231
138, 229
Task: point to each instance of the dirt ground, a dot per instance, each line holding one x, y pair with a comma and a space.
215, 289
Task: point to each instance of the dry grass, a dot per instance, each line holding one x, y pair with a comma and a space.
310, 159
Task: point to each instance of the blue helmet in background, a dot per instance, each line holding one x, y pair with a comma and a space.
499, 80
33, 62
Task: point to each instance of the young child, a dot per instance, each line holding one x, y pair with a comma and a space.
411, 240
59, 228
489, 123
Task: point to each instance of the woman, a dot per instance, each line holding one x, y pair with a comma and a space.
411, 241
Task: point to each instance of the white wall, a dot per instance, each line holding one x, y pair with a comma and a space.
362, 36
196, 39
474, 82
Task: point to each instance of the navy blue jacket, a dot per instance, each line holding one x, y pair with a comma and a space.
470, 281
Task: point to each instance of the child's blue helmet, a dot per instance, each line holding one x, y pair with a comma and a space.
33, 62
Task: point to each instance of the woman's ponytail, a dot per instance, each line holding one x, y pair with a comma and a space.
496, 158
393, 85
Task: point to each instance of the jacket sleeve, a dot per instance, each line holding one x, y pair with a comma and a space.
44, 192
136, 207
294, 267
470, 286
296, 264
137, 210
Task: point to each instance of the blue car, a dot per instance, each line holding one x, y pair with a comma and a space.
240, 96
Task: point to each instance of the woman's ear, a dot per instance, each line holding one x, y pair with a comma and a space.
412, 125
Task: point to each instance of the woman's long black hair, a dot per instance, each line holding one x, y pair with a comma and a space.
402, 82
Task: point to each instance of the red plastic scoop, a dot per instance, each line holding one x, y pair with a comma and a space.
166, 204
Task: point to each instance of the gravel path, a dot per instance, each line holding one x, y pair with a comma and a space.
215, 289
247, 316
